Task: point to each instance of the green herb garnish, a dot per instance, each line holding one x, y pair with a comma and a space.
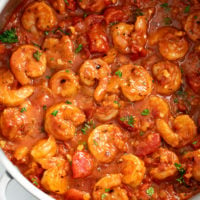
145, 112
79, 48
118, 73
9, 36
55, 112
150, 191
37, 55
23, 110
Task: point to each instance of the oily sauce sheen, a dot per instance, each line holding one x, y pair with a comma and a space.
101, 99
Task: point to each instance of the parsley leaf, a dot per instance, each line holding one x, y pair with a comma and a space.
9, 36
187, 9
195, 142
167, 20
23, 110
118, 73
129, 119
181, 171
66, 2
79, 48
145, 112
68, 102
165, 6
44, 107
55, 112
37, 55
95, 142
150, 191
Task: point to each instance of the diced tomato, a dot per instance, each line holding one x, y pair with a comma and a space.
82, 164
114, 15
148, 144
194, 80
93, 19
98, 41
71, 5
73, 194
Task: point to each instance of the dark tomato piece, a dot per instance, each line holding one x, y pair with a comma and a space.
71, 5
98, 41
93, 19
194, 80
82, 164
73, 194
147, 144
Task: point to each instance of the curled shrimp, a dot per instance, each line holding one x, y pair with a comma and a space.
172, 42
64, 83
96, 69
182, 132
192, 26
105, 141
110, 188
9, 96
164, 160
168, 77
45, 148
121, 36
59, 52
27, 61
132, 169
135, 82
59, 6
61, 120
38, 16
55, 179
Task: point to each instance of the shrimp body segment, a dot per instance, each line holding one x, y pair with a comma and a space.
111, 182
59, 52
165, 167
96, 69
27, 61
132, 169
182, 132
12, 97
38, 16
168, 77
64, 83
136, 82
105, 141
192, 26
172, 43
61, 120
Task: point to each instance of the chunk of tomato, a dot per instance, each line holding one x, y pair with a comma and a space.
74, 194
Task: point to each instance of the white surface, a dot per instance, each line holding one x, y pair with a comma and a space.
16, 191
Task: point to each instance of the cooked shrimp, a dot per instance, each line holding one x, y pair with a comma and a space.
27, 61
96, 69
61, 120
109, 188
172, 43
64, 83
132, 169
12, 97
45, 148
136, 82
192, 27
121, 36
164, 159
59, 52
168, 77
55, 179
38, 16
59, 6
108, 109
182, 132
105, 141
111, 56
21, 154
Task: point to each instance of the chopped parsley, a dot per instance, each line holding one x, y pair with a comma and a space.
79, 48
150, 191
85, 15
87, 126
44, 107
113, 23
107, 189
195, 142
187, 9
37, 45
138, 12
175, 100
55, 112
46, 32
129, 119
34, 181
117, 102
66, 2
48, 77
61, 30
9, 36
103, 196
95, 142
68, 102
145, 112
37, 55
142, 133
167, 20
181, 171
165, 6
67, 70
118, 73
23, 110
69, 61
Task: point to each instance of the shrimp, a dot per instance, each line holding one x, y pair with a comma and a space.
61, 120
105, 141
165, 160
109, 187
132, 169
55, 179
13, 123
59, 52
192, 27
121, 36
38, 16
96, 69
109, 108
27, 61
21, 154
168, 77
59, 6
64, 83
183, 132
111, 56
9, 96
172, 42
135, 82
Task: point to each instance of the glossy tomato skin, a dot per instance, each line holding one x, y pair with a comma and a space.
98, 41
82, 164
